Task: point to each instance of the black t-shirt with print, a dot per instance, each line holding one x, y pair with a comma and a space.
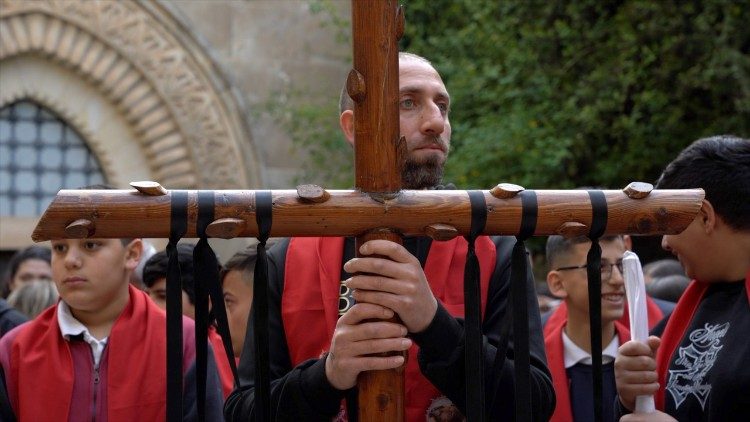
709, 374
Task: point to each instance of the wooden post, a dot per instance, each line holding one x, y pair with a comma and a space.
373, 85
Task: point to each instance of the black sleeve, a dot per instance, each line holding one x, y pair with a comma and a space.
9, 317
441, 355
299, 393
214, 393
6, 411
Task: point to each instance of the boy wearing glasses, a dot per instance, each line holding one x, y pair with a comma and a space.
568, 343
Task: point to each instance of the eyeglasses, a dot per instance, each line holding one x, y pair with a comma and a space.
606, 269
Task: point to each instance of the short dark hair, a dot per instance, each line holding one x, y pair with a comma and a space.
243, 261
156, 268
668, 287
663, 268
558, 246
720, 165
31, 252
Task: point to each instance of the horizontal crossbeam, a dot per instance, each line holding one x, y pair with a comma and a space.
441, 214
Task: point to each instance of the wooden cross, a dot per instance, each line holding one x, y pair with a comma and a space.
377, 208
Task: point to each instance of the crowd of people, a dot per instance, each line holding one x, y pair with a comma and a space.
84, 325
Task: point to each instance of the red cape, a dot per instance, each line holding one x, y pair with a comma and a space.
309, 303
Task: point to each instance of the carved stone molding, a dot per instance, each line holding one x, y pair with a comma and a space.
182, 111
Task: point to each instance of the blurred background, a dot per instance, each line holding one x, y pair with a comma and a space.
243, 94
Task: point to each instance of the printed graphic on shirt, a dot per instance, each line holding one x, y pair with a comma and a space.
694, 362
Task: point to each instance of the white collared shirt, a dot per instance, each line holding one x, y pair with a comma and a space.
71, 327
574, 354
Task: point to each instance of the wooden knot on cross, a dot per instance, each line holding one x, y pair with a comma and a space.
572, 229
638, 190
313, 193
225, 228
440, 231
506, 190
149, 188
80, 229
355, 86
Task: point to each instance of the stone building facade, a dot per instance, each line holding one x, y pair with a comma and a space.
172, 91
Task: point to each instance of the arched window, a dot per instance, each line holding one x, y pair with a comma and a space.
39, 155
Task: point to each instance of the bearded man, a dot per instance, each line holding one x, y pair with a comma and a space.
326, 323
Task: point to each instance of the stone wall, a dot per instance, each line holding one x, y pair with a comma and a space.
267, 49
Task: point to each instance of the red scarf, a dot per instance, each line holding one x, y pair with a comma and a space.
222, 363
678, 322
560, 316
553, 344
42, 365
309, 304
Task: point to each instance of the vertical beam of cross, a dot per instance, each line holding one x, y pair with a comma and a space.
379, 153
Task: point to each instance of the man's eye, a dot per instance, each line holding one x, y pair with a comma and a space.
443, 107
58, 247
407, 103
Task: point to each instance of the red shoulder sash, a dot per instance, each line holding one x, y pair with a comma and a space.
553, 344
222, 363
136, 387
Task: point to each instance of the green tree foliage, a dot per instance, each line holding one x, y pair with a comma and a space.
560, 94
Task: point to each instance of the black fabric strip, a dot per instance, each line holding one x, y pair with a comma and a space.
202, 260
518, 305
177, 229
522, 360
474, 357
529, 213
208, 264
593, 271
263, 216
599, 214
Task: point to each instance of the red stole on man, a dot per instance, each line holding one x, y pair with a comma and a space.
309, 304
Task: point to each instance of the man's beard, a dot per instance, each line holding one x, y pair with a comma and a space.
423, 175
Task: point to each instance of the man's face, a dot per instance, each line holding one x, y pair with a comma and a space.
423, 108
158, 293
93, 274
575, 281
30, 270
238, 298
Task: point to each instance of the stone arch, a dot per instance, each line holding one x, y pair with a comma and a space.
181, 111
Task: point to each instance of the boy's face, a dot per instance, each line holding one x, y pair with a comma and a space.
238, 298
572, 285
691, 247
158, 293
91, 274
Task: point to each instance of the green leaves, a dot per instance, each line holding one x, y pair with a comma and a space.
563, 94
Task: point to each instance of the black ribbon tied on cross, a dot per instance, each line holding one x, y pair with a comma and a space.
207, 283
